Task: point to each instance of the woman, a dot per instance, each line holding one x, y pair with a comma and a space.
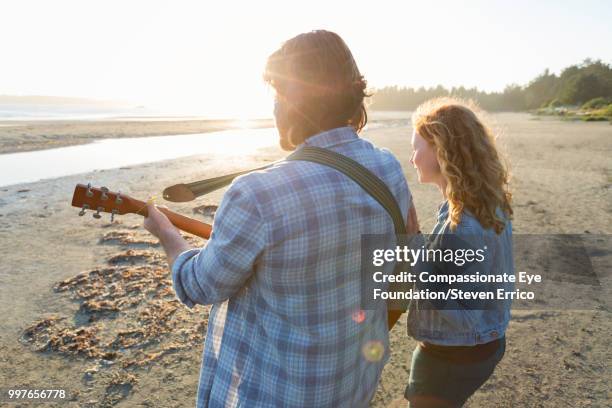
460, 343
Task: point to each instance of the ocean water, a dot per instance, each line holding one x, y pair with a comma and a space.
29, 112
24, 167
40, 112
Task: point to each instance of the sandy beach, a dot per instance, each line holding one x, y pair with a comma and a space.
23, 136
87, 305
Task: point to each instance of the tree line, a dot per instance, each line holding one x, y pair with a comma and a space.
576, 85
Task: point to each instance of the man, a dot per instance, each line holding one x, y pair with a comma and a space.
282, 267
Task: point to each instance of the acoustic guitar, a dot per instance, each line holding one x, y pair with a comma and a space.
101, 200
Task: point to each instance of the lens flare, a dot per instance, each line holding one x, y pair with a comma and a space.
373, 350
358, 316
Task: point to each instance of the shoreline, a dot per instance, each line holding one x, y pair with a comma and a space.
19, 136
28, 136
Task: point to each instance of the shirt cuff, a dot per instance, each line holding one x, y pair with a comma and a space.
177, 282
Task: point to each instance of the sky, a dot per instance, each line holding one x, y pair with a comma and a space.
207, 57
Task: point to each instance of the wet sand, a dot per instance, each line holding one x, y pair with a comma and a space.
23, 136
87, 305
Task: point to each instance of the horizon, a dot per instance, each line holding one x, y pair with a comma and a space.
185, 66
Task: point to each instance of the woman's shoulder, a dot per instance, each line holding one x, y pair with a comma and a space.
468, 223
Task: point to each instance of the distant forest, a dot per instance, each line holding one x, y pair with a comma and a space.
575, 86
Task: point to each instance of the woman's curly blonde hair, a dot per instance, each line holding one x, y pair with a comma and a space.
477, 180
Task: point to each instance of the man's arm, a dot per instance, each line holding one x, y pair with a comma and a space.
412, 224
219, 270
412, 228
169, 236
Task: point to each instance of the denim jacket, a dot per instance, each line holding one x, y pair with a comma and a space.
461, 323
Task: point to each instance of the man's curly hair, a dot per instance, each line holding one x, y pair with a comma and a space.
318, 84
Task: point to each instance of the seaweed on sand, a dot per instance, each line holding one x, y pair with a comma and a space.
128, 318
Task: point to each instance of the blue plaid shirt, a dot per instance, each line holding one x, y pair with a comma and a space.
282, 268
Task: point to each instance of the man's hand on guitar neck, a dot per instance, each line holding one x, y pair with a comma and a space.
160, 226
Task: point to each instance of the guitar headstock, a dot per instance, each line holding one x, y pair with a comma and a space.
100, 200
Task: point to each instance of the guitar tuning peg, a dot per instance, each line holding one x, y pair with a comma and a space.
82, 212
97, 214
89, 193
104, 195
118, 199
113, 212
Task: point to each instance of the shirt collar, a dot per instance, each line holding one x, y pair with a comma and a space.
443, 211
331, 137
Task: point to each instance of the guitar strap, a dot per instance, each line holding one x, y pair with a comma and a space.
367, 180
180, 193
378, 190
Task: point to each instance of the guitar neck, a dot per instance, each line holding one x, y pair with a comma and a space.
102, 199
195, 227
